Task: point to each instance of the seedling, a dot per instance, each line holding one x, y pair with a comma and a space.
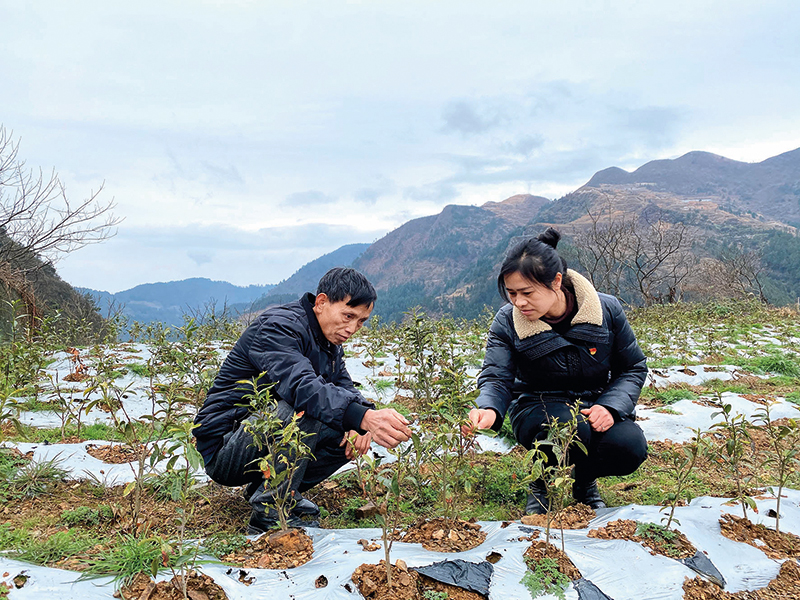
737, 429
681, 464
384, 489
556, 471
283, 444
783, 453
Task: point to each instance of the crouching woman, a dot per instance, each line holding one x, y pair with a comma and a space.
557, 343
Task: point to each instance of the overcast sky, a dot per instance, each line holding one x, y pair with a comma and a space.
242, 139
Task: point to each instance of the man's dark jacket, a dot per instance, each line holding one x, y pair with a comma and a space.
597, 358
287, 344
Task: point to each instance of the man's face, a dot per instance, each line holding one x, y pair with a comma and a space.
339, 321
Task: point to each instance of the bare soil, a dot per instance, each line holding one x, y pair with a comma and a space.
576, 516
770, 542
198, 587
406, 584
539, 550
115, 454
442, 535
625, 529
786, 586
279, 550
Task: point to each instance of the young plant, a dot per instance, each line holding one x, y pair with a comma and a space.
737, 430
783, 453
543, 577
384, 489
680, 464
180, 447
449, 450
562, 437
283, 443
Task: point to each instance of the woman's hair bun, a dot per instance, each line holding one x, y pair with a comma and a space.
550, 237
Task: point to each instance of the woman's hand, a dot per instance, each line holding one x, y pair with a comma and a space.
599, 418
480, 418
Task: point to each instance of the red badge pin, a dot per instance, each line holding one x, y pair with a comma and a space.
592, 351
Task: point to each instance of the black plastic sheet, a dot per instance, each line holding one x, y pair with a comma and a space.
474, 577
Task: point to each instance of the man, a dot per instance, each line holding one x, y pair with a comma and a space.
298, 347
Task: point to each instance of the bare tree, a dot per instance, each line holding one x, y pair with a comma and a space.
633, 255
603, 247
36, 216
735, 273
660, 256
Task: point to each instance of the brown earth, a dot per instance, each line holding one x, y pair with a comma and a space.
198, 587
116, 454
625, 529
539, 550
279, 550
441, 535
773, 544
576, 516
407, 584
786, 586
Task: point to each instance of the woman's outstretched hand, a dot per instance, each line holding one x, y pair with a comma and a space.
599, 418
480, 418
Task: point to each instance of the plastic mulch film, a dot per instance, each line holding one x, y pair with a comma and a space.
619, 569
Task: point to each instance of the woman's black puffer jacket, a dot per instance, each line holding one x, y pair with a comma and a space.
597, 358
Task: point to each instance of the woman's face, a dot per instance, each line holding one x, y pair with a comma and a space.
533, 299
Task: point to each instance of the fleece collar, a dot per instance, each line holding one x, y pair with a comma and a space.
589, 309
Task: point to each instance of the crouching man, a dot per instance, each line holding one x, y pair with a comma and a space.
298, 347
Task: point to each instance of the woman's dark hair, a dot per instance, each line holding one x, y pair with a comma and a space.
341, 282
535, 259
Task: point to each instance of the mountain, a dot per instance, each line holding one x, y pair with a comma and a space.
447, 263
168, 301
31, 286
770, 188
305, 279
430, 260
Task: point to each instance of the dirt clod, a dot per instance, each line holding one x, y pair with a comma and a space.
280, 550
770, 542
786, 586
624, 529
441, 535
576, 516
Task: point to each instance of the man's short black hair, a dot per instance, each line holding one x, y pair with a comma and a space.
341, 282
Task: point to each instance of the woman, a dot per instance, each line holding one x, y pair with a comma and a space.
559, 342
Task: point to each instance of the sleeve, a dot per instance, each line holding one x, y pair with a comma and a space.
355, 412
278, 350
497, 376
628, 367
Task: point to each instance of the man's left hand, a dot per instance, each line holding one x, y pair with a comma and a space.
359, 446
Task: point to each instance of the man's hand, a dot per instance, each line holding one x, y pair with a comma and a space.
387, 426
480, 418
599, 418
355, 444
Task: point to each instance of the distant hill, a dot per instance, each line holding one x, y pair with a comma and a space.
770, 188
432, 261
447, 263
168, 301
38, 290
305, 279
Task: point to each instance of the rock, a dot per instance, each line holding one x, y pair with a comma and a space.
367, 511
438, 535
401, 564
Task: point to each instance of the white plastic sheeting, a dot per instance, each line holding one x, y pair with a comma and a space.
621, 569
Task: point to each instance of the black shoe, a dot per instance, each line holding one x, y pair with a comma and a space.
305, 507
538, 502
262, 521
588, 494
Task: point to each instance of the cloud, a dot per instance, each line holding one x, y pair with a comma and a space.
469, 118
441, 191
524, 145
200, 258
308, 198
